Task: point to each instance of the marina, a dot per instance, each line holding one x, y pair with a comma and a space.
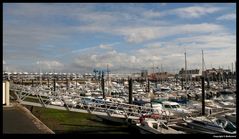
133, 103
143, 104
102, 68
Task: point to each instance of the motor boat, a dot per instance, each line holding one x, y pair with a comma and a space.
151, 126
210, 125
231, 117
56, 102
175, 108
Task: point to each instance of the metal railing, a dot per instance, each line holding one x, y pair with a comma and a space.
38, 96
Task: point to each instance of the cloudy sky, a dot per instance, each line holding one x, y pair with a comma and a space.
126, 37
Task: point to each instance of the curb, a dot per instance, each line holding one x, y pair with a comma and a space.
41, 126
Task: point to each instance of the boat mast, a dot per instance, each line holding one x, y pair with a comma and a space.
203, 96
185, 67
232, 73
235, 69
40, 74
202, 64
39, 62
153, 69
108, 80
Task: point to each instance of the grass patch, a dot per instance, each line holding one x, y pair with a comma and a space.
61, 121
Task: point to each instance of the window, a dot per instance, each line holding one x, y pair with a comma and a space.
167, 106
155, 125
175, 106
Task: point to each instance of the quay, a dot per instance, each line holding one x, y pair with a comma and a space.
18, 120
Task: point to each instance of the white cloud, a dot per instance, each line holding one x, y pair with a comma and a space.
171, 53
231, 16
151, 14
92, 28
194, 11
115, 60
141, 34
93, 58
51, 64
176, 55
163, 4
218, 37
108, 46
99, 17
210, 42
103, 65
137, 35
33, 25
105, 46
155, 45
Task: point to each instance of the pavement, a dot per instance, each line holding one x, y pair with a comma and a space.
19, 120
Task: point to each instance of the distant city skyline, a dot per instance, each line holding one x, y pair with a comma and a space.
127, 37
